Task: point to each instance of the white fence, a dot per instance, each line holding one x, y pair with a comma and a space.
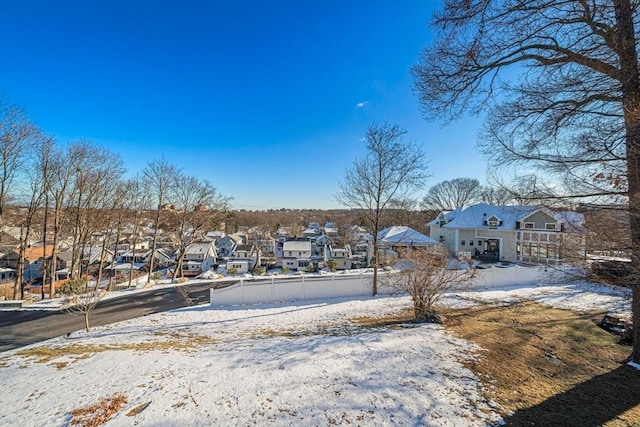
336, 286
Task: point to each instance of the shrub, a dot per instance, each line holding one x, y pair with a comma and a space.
332, 265
73, 287
232, 270
259, 270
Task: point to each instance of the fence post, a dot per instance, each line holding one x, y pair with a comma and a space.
241, 291
303, 287
273, 289
333, 286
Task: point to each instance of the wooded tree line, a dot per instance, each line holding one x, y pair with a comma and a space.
80, 188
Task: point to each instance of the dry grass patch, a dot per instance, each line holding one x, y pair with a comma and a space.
391, 319
44, 354
550, 367
99, 413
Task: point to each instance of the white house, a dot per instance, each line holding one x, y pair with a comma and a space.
357, 233
341, 256
238, 265
296, 255
228, 244
511, 233
198, 258
244, 258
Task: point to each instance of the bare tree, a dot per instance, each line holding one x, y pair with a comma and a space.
160, 175
392, 169
196, 204
44, 164
495, 196
453, 194
406, 212
31, 203
78, 298
426, 275
137, 199
96, 169
17, 136
59, 183
571, 106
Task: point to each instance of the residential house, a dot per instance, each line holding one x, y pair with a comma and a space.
296, 254
400, 239
198, 258
161, 258
93, 255
7, 274
8, 242
244, 258
341, 256
311, 233
357, 233
34, 257
510, 233
238, 265
228, 244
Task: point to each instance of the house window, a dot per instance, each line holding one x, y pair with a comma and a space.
441, 239
290, 253
479, 242
492, 224
529, 225
470, 242
462, 242
550, 226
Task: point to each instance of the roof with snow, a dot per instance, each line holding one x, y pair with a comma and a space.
198, 248
475, 216
402, 235
296, 245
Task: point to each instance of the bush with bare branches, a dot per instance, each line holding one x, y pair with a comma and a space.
426, 275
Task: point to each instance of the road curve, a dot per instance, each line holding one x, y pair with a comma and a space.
24, 327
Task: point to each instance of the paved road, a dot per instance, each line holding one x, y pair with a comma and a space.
20, 328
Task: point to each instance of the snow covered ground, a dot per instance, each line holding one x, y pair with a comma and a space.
299, 363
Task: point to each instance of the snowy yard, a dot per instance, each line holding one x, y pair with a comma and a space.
300, 363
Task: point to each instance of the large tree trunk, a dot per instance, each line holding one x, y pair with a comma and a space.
133, 259
54, 250
44, 242
630, 80
154, 245
179, 264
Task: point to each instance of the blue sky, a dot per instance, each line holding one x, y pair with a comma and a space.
268, 100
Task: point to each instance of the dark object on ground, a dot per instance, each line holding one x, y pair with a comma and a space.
618, 327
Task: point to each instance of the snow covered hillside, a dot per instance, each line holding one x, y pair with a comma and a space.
299, 363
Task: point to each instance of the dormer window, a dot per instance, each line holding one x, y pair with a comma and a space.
529, 225
493, 221
550, 226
